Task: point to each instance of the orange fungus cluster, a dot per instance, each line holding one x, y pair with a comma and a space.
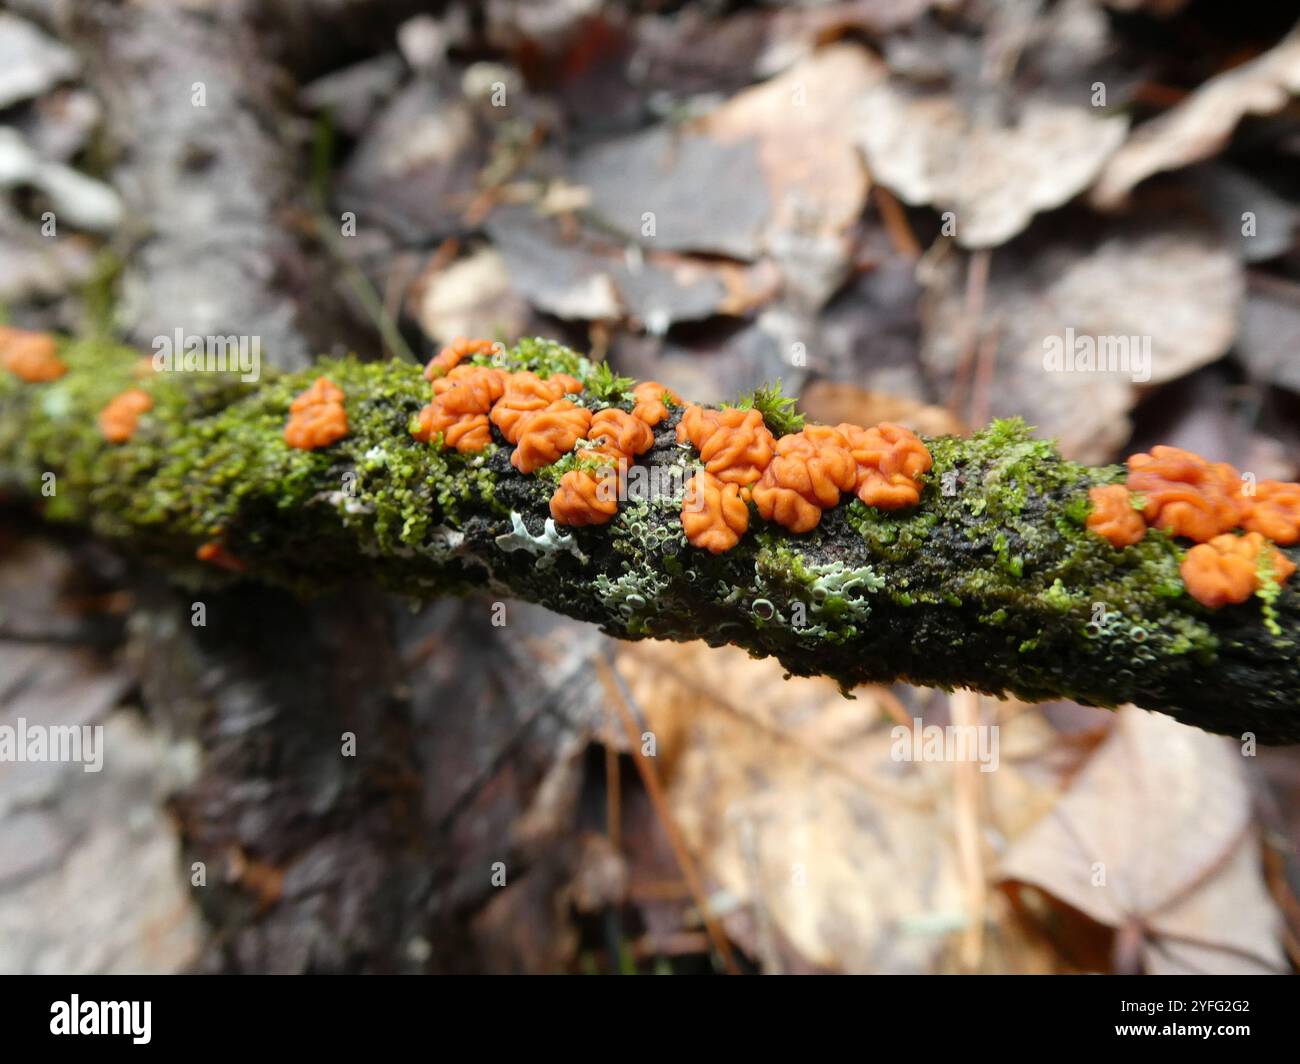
454, 354
714, 516
793, 480
460, 406
120, 418
1114, 517
30, 356
1226, 570
808, 471
1189, 497
734, 445
891, 461
650, 406
316, 417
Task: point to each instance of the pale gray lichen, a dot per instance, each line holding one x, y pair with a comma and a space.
545, 546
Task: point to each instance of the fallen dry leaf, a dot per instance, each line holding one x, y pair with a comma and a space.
832, 402
589, 279
1175, 293
1201, 125
824, 852
471, 297
929, 149
1155, 833
774, 161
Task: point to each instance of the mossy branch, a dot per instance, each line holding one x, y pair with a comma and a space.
992, 582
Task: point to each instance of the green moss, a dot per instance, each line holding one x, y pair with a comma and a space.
778, 409
545, 358
607, 387
1269, 590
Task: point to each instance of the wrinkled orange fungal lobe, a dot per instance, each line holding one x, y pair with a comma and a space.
30, 356
544, 435
455, 353
1113, 517
650, 406
583, 498
1185, 495
470, 389
891, 461
524, 393
1225, 570
317, 417
569, 385
807, 473
1274, 512
322, 390
734, 445
120, 418
616, 432
714, 516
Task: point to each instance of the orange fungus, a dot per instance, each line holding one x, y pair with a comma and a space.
734, 444
459, 410
1274, 512
1113, 517
1185, 495
30, 356
316, 417
119, 419
809, 471
714, 516
650, 406
455, 353
544, 435
619, 434
890, 460
1225, 570
584, 498
524, 393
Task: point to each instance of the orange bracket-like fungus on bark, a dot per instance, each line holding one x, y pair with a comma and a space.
808, 472
734, 445
891, 461
1225, 570
455, 353
1113, 516
714, 516
316, 417
30, 356
545, 435
120, 418
1185, 495
650, 406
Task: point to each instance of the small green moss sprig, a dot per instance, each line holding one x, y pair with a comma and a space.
778, 409
608, 387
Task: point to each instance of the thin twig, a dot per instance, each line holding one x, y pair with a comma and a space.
624, 704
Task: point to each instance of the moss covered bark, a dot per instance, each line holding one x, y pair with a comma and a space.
991, 583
